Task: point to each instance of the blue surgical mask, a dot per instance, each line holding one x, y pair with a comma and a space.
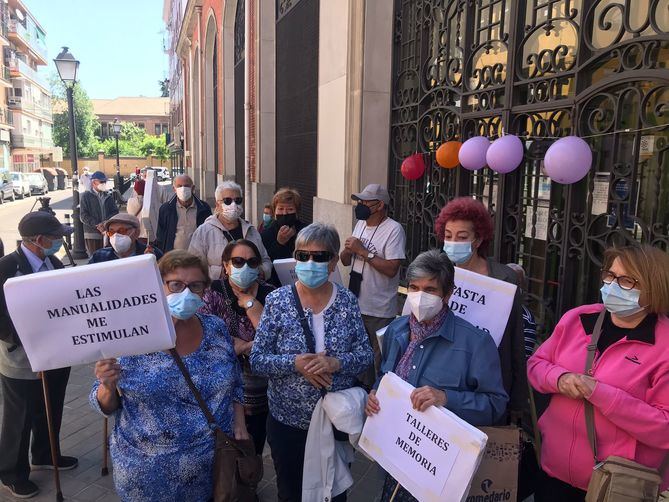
184, 305
312, 274
458, 252
56, 244
266, 218
619, 301
244, 277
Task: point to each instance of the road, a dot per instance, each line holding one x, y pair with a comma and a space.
12, 212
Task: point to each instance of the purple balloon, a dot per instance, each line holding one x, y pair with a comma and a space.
472, 153
568, 160
505, 154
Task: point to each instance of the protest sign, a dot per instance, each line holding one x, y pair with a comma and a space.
285, 269
497, 476
432, 454
483, 301
83, 314
150, 204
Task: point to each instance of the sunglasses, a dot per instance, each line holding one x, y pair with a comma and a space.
317, 256
229, 200
196, 287
238, 262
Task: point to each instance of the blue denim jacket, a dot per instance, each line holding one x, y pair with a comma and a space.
459, 359
279, 338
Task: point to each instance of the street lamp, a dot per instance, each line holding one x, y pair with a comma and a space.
67, 67
116, 128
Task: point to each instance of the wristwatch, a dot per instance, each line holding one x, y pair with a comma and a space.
249, 304
370, 256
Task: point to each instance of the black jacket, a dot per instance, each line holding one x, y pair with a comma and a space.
94, 211
167, 221
14, 264
277, 251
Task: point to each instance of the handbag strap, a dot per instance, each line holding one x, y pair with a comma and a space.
304, 322
589, 409
200, 401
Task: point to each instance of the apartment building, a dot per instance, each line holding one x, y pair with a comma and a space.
28, 97
148, 113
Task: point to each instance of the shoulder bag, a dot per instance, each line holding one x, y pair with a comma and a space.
617, 479
237, 468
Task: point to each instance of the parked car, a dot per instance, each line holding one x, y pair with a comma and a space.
21, 184
162, 173
38, 184
6, 188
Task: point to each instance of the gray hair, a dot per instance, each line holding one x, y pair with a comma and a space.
319, 233
433, 264
183, 176
228, 185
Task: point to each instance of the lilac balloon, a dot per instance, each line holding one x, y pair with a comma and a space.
472, 153
568, 160
505, 154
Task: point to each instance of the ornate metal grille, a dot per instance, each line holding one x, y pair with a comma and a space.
540, 69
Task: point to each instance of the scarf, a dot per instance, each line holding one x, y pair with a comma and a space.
418, 332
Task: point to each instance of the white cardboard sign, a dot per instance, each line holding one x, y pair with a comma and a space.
483, 301
285, 269
82, 314
150, 204
432, 454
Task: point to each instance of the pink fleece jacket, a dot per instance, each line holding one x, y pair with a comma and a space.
631, 399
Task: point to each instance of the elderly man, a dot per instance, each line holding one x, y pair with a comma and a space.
123, 233
180, 216
23, 410
97, 205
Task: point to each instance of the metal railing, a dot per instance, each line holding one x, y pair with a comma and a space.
22, 68
30, 39
6, 116
31, 106
27, 140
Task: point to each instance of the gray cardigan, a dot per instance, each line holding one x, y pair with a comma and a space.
94, 209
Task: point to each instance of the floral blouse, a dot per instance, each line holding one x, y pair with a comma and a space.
279, 338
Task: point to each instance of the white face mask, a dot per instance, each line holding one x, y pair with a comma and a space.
102, 187
231, 212
184, 193
121, 243
424, 306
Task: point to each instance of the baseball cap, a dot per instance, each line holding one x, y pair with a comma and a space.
125, 218
373, 191
42, 223
99, 175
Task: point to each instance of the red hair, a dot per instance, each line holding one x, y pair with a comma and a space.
467, 209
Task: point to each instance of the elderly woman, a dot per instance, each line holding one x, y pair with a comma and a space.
466, 229
449, 361
628, 385
162, 447
297, 374
224, 226
238, 299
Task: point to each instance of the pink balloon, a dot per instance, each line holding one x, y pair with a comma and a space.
505, 154
472, 153
568, 160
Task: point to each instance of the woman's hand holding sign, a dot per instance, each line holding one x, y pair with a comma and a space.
424, 397
108, 372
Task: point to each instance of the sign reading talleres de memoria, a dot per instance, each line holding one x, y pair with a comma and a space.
82, 314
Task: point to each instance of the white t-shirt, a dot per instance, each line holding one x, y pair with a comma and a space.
318, 322
378, 292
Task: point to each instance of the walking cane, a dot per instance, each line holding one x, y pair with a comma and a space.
105, 447
392, 497
52, 436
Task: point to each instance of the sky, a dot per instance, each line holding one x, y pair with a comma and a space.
119, 43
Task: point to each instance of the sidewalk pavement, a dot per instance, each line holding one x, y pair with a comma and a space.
81, 436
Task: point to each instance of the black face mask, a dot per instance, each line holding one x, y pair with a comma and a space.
286, 219
363, 212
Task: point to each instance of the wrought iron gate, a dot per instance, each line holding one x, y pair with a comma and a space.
540, 69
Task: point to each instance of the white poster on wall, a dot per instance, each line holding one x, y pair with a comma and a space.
432, 454
483, 301
82, 314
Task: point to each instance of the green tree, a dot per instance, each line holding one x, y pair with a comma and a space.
85, 121
156, 146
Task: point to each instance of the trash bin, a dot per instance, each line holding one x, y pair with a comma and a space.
50, 175
61, 177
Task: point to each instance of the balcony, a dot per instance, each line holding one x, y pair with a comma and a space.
22, 37
6, 117
30, 106
29, 141
5, 76
18, 69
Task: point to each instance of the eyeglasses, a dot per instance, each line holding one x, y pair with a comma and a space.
317, 256
623, 281
178, 286
229, 200
238, 262
122, 231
